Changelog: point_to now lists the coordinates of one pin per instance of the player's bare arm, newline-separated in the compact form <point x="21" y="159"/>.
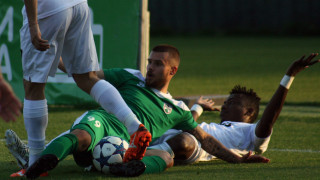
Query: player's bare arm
<point x="214" y="147"/>
<point x="273" y="109"/>
<point x="205" y="104"/>
<point x="35" y="34"/>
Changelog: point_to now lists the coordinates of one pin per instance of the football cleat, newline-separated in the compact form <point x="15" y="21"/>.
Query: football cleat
<point x="139" y="141"/>
<point x="45" y="163"/>
<point x="19" y="173"/>
<point x="129" y="169"/>
<point x="23" y="171"/>
<point x="17" y="148"/>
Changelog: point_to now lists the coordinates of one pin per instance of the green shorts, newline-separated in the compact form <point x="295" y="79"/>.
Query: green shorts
<point x="99" y="124"/>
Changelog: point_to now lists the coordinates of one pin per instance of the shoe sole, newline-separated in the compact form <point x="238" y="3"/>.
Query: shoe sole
<point x="11" y="144"/>
<point x="139" y="151"/>
<point x="43" y="164"/>
<point x="130" y="169"/>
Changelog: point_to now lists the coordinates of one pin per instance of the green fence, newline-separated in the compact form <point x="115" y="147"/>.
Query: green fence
<point x="116" y="28"/>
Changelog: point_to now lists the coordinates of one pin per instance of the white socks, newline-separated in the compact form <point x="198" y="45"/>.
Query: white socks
<point x="110" y="99"/>
<point x="35" y="120"/>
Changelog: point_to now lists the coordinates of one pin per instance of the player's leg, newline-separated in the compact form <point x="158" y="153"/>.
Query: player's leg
<point x="37" y="66"/>
<point x="35" y="112"/>
<point x="82" y="64"/>
<point x="155" y="161"/>
<point x="182" y="146"/>
<point x="19" y="150"/>
<point x="109" y="98"/>
<point x="186" y="148"/>
<point x="86" y="132"/>
<point x="78" y="140"/>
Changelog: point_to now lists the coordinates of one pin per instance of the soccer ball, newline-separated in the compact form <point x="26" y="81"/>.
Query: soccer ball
<point x="109" y="150"/>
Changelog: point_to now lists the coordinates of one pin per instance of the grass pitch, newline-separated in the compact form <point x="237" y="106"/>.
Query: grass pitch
<point x="214" y="66"/>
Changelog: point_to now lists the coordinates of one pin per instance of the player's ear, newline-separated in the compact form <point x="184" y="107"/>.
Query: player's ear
<point x="249" y="112"/>
<point x="248" y="115"/>
<point x="174" y="70"/>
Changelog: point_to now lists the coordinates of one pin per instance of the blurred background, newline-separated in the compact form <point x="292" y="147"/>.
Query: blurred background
<point x="247" y="42"/>
<point x="234" y="17"/>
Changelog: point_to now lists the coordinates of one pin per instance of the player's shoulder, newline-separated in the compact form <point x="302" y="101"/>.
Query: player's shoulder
<point x="135" y="73"/>
<point x="123" y="73"/>
<point x="168" y="96"/>
<point x="180" y="104"/>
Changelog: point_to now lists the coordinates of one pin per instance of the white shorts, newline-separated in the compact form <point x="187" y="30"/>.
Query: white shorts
<point x="70" y="36"/>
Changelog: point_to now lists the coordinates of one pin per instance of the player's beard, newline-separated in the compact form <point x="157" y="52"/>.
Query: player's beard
<point x="155" y="83"/>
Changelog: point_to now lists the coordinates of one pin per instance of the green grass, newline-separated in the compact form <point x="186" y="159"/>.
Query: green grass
<point x="297" y="129"/>
<point x="212" y="66"/>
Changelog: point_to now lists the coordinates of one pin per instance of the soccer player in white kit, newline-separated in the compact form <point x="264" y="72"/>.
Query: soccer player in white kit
<point x="237" y="130"/>
<point x="58" y="28"/>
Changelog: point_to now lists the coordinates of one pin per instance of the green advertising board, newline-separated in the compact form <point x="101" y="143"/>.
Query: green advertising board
<point x="117" y="32"/>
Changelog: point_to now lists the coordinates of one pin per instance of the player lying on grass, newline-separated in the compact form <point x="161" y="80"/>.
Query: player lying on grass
<point x="237" y="130"/>
<point x="150" y="100"/>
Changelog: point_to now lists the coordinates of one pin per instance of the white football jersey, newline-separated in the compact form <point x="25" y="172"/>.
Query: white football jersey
<point x="239" y="137"/>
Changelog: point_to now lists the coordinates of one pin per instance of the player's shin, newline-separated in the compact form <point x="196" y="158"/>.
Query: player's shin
<point x="62" y="146"/>
<point x="110" y="99"/>
<point x="36" y="119"/>
<point x="154" y="164"/>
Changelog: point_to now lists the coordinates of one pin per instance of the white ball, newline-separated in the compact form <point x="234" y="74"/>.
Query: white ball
<point x="109" y="150"/>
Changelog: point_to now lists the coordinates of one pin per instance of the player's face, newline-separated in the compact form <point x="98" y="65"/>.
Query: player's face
<point x="158" y="70"/>
<point x="233" y="109"/>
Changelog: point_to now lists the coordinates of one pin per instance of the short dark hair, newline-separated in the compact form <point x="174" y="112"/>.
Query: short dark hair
<point x="173" y="53"/>
<point x="251" y="97"/>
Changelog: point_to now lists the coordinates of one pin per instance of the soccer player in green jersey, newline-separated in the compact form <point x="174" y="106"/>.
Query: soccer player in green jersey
<point x="150" y="100"/>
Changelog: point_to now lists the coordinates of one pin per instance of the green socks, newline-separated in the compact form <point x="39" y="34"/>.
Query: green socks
<point x="62" y="146"/>
<point x="154" y="164"/>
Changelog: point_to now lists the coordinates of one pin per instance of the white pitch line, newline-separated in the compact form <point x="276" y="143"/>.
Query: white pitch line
<point x="276" y="150"/>
<point x="24" y="141"/>
<point x="295" y="150"/>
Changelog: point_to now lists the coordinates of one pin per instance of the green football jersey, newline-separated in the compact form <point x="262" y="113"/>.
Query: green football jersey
<point x="158" y="111"/>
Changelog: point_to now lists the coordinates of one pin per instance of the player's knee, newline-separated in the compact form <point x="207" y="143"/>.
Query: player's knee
<point x="86" y="81"/>
<point x="84" y="139"/>
<point x="164" y="155"/>
<point x="183" y="145"/>
<point x="34" y="91"/>
<point x="167" y="158"/>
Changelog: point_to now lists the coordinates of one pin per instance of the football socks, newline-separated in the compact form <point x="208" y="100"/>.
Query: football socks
<point x="62" y="146"/>
<point x="154" y="164"/>
<point x="110" y="99"/>
<point x="36" y="120"/>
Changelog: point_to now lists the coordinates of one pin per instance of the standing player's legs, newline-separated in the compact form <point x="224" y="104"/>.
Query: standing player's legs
<point x="35" y="112"/>
<point x="37" y="66"/>
<point x="80" y="59"/>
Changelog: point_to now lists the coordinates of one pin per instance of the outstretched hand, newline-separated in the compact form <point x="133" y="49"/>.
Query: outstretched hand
<point x="250" y="158"/>
<point x="207" y="104"/>
<point x="302" y="64"/>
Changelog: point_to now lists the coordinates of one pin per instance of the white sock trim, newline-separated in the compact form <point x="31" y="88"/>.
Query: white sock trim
<point x="33" y="109"/>
<point x="98" y="89"/>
